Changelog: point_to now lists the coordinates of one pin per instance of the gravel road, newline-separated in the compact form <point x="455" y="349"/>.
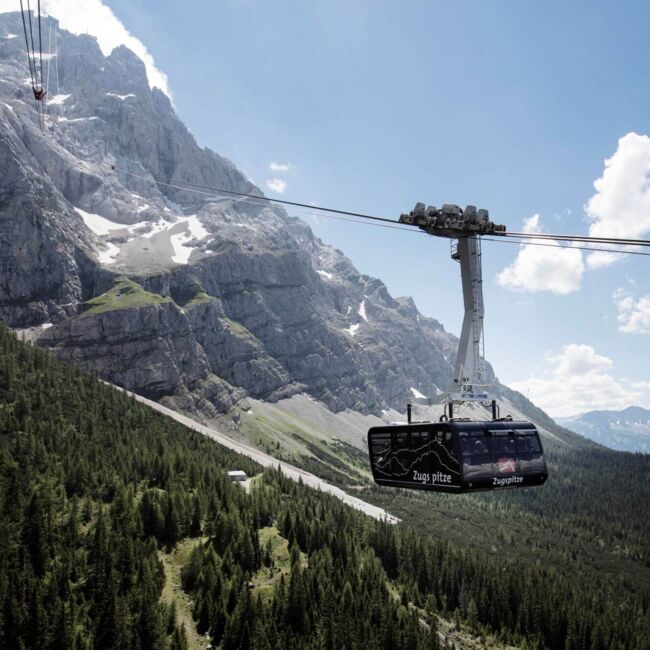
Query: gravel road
<point x="269" y="461"/>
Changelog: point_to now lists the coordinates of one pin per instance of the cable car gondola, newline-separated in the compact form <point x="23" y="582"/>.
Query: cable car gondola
<point x="460" y="455"/>
<point x="457" y="456"/>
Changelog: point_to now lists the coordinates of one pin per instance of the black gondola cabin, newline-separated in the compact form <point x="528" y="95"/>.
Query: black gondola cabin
<point x="457" y="456"/>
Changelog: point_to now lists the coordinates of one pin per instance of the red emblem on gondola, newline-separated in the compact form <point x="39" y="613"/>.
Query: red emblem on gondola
<point x="506" y="465"/>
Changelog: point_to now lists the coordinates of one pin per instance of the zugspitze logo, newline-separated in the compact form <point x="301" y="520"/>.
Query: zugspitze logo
<point x="506" y="465"/>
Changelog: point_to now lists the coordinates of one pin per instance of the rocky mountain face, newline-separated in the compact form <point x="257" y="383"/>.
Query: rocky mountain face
<point x="193" y="298"/>
<point x="626" y="430"/>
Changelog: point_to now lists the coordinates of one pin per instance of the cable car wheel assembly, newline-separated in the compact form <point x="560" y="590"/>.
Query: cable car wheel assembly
<point x="457" y="454"/>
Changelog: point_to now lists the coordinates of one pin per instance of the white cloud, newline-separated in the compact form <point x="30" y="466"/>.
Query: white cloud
<point x="277" y="185"/>
<point x="621" y="205"/>
<point x="531" y="225"/>
<point x="578" y="379"/>
<point x="599" y="259"/>
<point x="543" y="268"/>
<point x="633" y="315"/>
<point x="95" y="18"/>
<point x="280" y="167"/>
<point x="578" y="359"/>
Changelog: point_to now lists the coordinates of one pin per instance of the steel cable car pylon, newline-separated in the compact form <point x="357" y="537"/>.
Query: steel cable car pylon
<point x="469" y="381"/>
<point x="464" y="228"/>
<point x="459" y="455"/>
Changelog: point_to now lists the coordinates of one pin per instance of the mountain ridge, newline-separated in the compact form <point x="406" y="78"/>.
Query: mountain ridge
<point x="623" y="430"/>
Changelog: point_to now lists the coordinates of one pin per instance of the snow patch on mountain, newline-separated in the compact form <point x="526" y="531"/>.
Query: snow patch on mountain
<point x="197" y="230"/>
<point x="156" y="227"/>
<point x="121" y="97"/>
<point x="77" y="119"/>
<point x="362" y="310"/>
<point x="107" y="256"/>
<point x="182" y="251"/>
<point x="98" y="224"/>
<point x="57" y="100"/>
<point x="352" y="330"/>
<point x="194" y="232"/>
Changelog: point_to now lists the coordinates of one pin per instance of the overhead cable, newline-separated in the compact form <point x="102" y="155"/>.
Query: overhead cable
<point x="580" y="248"/>
<point x="256" y="196"/>
<point x="29" y="58"/>
<point x="40" y="42"/>
<point x="510" y="237"/>
<point x="585" y="238"/>
<point x="35" y="69"/>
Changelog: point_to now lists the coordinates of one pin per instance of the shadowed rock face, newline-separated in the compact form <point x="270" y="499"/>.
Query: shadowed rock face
<point x="256" y="304"/>
<point x="125" y="347"/>
<point x="43" y="251"/>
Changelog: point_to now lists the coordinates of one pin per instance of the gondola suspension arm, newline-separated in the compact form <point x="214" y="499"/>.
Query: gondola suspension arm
<point x="463" y="227"/>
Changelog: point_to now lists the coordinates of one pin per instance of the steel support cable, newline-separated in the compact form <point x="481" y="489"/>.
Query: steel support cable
<point x="303" y="212"/>
<point x="580" y="248"/>
<point x="255" y="196"/>
<point x="40" y="42"/>
<point x="31" y="35"/>
<point x="365" y="223"/>
<point x="580" y="238"/>
<point x="252" y="199"/>
<point x="49" y="63"/>
<point x="40" y="86"/>
<point x="255" y="199"/>
<point x="56" y="56"/>
<point x="29" y="58"/>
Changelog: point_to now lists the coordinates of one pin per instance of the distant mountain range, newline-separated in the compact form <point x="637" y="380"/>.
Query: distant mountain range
<point x="626" y="430"/>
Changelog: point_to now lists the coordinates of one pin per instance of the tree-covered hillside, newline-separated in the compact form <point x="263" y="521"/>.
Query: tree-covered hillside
<point x="97" y="493"/>
<point x="591" y="520"/>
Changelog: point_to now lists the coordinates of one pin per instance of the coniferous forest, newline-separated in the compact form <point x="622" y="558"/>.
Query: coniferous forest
<point x="97" y="491"/>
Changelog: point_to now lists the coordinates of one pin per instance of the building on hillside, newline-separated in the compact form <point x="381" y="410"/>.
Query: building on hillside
<point x="237" y="475"/>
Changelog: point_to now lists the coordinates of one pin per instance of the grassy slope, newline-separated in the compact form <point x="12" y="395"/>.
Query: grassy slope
<point x="199" y="298"/>
<point x="173" y="563"/>
<point x="266" y="578"/>
<point x="239" y="330"/>
<point x="125" y="294"/>
<point x="302" y="443"/>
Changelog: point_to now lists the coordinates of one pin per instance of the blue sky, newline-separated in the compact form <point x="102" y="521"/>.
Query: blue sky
<point x="512" y="106"/>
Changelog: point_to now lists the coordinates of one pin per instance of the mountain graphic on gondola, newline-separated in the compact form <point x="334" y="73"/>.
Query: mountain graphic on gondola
<point x="403" y="462"/>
